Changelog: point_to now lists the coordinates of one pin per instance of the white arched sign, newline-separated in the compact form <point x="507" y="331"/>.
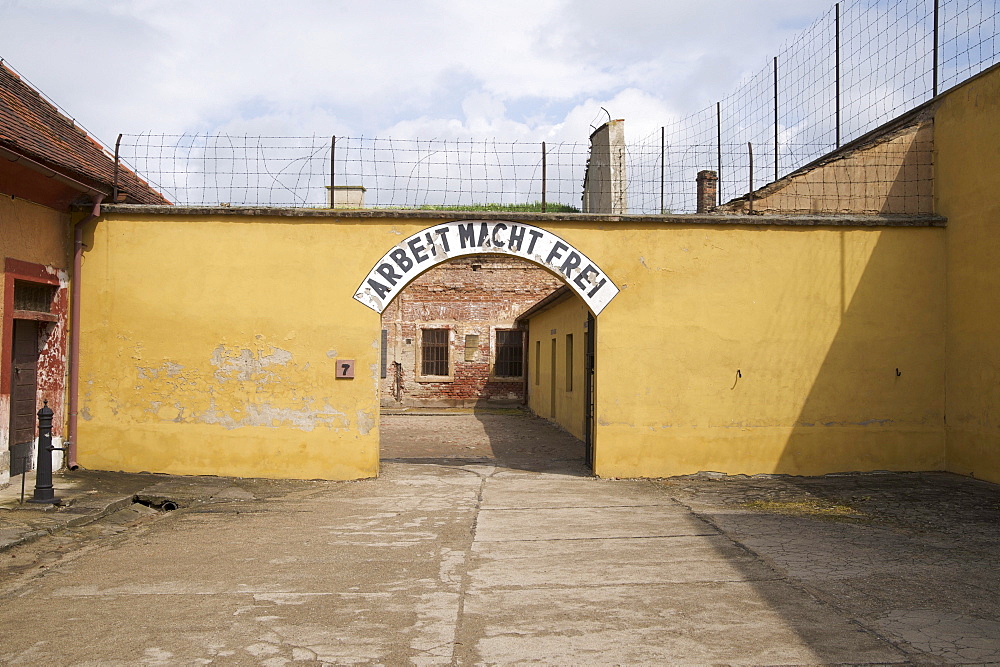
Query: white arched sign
<point x="439" y="243"/>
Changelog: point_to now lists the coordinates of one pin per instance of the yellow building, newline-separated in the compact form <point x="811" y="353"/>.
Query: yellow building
<point x="854" y="337"/>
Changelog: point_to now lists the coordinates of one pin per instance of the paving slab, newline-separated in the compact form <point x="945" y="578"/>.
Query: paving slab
<point x="649" y="560"/>
<point x="508" y="490"/>
<point x="608" y="521"/>
<point x="759" y="623"/>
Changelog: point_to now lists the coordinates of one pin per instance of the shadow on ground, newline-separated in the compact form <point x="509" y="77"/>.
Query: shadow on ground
<point x="909" y="556"/>
<point x="510" y="437"/>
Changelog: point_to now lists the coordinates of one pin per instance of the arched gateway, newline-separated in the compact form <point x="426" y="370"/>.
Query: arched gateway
<point x="433" y="245"/>
<point x="746" y="344"/>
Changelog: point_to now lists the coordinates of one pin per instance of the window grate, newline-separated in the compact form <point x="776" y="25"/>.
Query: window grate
<point x="510" y="354"/>
<point x="434" y="352"/>
<point x="34" y="297"/>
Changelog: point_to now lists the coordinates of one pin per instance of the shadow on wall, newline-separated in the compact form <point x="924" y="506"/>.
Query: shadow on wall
<point x="877" y="400"/>
<point x="911" y="175"/>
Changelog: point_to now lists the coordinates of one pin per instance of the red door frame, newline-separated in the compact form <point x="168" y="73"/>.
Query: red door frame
<point x="52" y="360"/>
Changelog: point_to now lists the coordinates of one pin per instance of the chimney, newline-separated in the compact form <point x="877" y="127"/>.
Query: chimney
<point x="708" y="182"/>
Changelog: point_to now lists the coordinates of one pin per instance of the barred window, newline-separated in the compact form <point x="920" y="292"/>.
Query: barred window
<point x="434" y="351"/>
<point x="35" y="297"/>
<point x="510" y="355"/>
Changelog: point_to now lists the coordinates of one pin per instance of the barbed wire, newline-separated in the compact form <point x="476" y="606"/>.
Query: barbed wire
<point x="195" y="169"/>
<point x="860" y="65"/>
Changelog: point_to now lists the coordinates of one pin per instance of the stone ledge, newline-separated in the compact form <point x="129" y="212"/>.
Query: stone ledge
<point x="710" y="219"/>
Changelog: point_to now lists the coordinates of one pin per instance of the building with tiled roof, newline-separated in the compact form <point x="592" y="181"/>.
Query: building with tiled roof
<point x="52" y="174"/>
<point x="35" y="137"/>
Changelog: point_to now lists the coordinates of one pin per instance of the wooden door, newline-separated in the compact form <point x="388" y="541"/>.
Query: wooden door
<point x="23" y="390"/>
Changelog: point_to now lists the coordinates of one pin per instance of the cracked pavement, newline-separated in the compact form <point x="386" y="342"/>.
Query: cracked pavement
<point x="500" y="560"/>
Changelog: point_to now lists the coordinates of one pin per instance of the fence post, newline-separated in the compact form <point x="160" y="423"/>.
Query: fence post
<point x="776" y="118"/>
<point x="718" y="144"/>
<point x="937" y="23"/>
<point x="333" y="152"/>
<point x="663" y="157"/>
<point x="836" y="76"/>
<point x="543" y="177"/>
<point x="114" y="184"/>
<point x="750" y="153"/>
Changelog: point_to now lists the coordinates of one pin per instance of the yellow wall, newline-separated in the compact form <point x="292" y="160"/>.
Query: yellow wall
<point x="817" y="321"/>
<point x="209" y="346"/>
<point x="568" y="317"/>
<point x="33" y="233"/>
<point x="967" y="164"/>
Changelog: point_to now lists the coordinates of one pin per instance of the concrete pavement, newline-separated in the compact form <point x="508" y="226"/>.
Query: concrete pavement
<point x="445" y="561"/>
<point x="430" y="564"/>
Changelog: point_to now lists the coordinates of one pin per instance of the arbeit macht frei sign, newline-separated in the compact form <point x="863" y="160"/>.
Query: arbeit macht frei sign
<point x="439" y="243"/>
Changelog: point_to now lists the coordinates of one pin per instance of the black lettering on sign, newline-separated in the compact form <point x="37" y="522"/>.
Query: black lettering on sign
<point x="556" y="252"/>
<point x="583" y="277"/>
<point x="417" y="249"/>
<point x="346" y="368"/>
<point x="442" y="233"/>
<point x="535" y="235"/>
<point x="466" y="236"/>
<point x="572" y="262"/>
<point x="515" y="238"/>
<point x="598" y="286"/>
<point x="497" y="243"/>
<point x="431" y="245"/>
<point x="483" y="232"/>
<point x="402" y="261"/>
<point x="389" y="273"/>
<point x="379" y="288"/>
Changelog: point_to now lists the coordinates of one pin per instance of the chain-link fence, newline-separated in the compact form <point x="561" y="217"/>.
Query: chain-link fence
<point x="858" y="66"/>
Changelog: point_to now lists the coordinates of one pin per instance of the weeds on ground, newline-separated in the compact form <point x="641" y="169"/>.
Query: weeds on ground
<point x="810" y="507"/>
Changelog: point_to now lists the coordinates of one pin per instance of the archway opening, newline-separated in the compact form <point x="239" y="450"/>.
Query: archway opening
<point x="438" y="340"/>
<point x="466" y="377"/>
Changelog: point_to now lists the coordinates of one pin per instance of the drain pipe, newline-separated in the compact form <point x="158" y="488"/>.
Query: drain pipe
<point x="74" y="341"/>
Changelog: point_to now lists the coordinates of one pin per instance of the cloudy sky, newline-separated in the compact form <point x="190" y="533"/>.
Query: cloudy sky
<point x="513" y="70"/>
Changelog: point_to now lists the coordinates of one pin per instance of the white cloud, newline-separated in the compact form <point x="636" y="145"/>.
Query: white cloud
<point x="522" y="71"/>
<point x="314" y="66"/>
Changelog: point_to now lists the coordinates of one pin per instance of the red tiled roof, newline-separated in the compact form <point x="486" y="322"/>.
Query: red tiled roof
<point x="32" y="127"/>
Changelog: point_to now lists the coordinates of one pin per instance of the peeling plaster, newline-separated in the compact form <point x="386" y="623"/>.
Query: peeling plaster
<point x="268" y="415"/>
<point x="52" y="360"/>
<point x="366" y="421"/>
<point x="246" y="365"/>
<point x="258" y="386"/>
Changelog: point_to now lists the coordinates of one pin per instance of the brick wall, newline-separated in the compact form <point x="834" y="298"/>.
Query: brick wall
<point x="469" y="296"/>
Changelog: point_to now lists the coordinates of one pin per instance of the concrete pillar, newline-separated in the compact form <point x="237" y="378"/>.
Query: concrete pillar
<point x="708" y="182"/>
<point x="345" y="196"/>
<point x="604" y="189"/>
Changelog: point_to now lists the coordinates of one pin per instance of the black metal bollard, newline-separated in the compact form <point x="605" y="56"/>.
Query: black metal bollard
<point x="43" y="470"/>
